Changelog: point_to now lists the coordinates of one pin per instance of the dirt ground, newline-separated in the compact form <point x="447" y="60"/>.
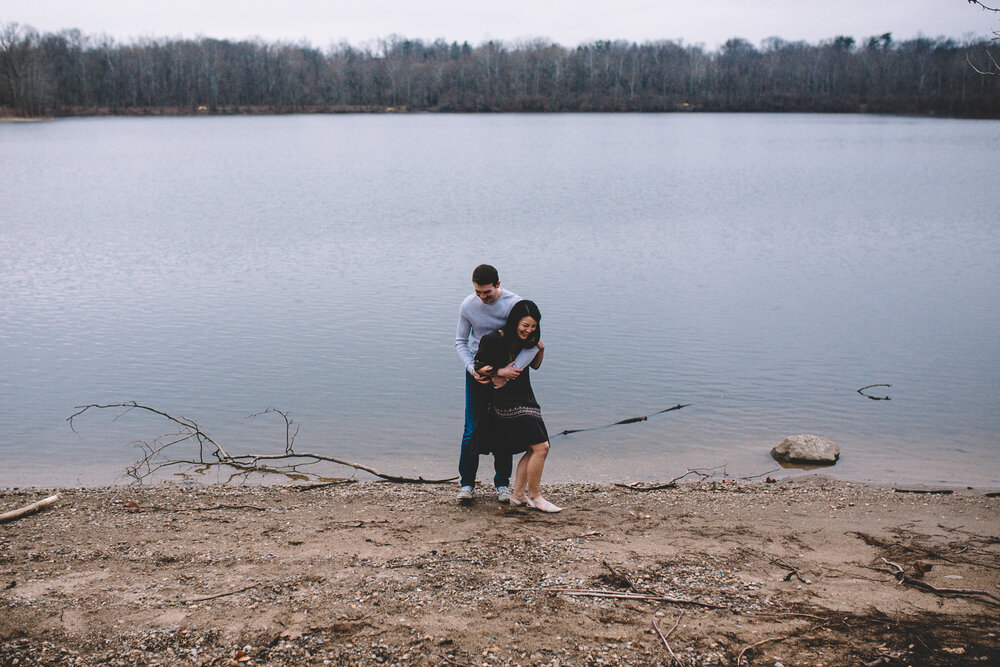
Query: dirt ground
<point x="799" y="572"/>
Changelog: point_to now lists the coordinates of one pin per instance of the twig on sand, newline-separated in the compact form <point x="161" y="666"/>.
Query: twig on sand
<point x="620" y="576"/>
<point x="221" y="595"/>
<point x="673" y="656"/>
<point x="13" y="515"/>
<point x="739" y="658"/>
<point x="793" y="571"/>
<point x="617" y="595"/>
<point x="704" y="473"/>
<point x="157" y="508"/>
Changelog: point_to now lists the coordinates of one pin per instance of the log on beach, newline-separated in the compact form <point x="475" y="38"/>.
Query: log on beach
<point x="13" y="515"/>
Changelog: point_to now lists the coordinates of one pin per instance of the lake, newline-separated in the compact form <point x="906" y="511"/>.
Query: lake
<point x="761" y="268"/>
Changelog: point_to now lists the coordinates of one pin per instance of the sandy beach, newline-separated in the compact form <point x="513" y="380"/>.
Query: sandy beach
<point x="805" y="571"/>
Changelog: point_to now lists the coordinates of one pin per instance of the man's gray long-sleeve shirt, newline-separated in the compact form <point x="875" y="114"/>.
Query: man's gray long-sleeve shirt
<point x="476" y="319"/>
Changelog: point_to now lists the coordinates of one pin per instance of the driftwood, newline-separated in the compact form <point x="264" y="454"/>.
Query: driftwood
<point x="210" y="453"/>
<point x="902" y="578"/>
<point x="703" y="474"/>
<point x="14" y="515"/>
<point x="943" y="492"/>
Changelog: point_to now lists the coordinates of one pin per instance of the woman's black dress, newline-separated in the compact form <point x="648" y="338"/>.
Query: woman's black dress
<point x="511" y="421"/>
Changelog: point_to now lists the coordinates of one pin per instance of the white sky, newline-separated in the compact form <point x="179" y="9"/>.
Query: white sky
<point x="567" y="22"/>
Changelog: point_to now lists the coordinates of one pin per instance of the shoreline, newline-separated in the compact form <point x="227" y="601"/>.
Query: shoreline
<point x="801" y="571"/>
<point x="784" y="474"/>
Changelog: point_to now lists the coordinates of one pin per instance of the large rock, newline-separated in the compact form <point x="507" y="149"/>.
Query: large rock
<point x="811" y="449"/>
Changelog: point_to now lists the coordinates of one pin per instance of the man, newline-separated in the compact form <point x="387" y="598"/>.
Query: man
<point x="482" y="312"/>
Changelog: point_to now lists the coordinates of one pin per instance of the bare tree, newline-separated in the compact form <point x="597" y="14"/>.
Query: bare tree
<point x="995" y="70"/>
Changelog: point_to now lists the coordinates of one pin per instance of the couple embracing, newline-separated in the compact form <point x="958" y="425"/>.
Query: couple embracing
<point x="499" y="341"/>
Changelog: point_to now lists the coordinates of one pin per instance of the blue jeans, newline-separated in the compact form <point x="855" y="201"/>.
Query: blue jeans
<point x="476" y="396"/>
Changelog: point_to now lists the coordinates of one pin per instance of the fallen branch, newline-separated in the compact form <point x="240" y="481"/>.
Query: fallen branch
<point x="221" y="595"/>
<point x="704" y="473"/>
<point x="323" y="485"/>
<point x="673" y="656"/>
<point x="793" y="571"/>
<point x="902" y="578"/>
<point x="943" y="492"/>
<point x="617" y="595"/>
<point x="621" y="577"/>
<point x="211" y="454"/>
<point x="14" y="515"/>
<point x="739" y="658"/>
<point x="157" y="508"/>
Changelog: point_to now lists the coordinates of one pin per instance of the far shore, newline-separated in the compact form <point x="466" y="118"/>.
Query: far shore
<point x="243" y="110"/>
<point x="16" y="119"/>
<point x="806" y="570"/>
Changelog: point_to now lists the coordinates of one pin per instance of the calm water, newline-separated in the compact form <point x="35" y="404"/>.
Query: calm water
<point x="759" y="267"/>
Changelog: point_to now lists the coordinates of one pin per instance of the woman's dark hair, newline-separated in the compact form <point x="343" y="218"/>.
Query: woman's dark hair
<point x="511" y="340"/>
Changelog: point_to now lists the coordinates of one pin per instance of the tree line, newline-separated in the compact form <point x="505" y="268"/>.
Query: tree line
<point x="70" y="73"/>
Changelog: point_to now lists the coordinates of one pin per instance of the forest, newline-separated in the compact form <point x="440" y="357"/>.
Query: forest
<point x="69" y="73"/>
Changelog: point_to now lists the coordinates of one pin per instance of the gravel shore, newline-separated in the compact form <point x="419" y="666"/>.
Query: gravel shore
<point x="806" y="571"/>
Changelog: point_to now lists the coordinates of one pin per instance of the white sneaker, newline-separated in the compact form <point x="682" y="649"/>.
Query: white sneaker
<point x="465" y="494"/>
<point x="503" y="494"/>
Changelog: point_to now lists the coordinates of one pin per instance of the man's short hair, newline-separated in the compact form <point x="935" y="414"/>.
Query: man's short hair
<point x="484" y="274"/>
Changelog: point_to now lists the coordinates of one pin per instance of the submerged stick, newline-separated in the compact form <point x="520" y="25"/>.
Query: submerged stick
<point x="874" y="398"/>
<point x="630" y="420"/>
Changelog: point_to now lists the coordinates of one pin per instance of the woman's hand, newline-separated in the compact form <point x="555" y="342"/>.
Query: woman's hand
<point x="508" y="372"/>
<point x="498" y="382"/>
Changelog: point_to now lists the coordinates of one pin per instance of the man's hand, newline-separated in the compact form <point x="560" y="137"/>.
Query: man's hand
<point x="482" y="379"/>
<point x="508" y="372"/>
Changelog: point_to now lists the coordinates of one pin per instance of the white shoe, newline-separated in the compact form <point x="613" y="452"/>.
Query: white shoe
<point x="466" y="494"/>
<point x="543" y="506"/>
<point x="503" y="494"/>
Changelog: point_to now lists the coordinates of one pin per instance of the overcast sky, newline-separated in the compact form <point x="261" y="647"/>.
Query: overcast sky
<point x="567" y="22"/>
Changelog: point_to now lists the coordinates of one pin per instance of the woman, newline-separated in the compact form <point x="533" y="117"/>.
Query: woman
<point x="513" y="420"/>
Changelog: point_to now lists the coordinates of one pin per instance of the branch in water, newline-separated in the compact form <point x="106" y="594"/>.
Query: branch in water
<point x="155" y="457"/>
